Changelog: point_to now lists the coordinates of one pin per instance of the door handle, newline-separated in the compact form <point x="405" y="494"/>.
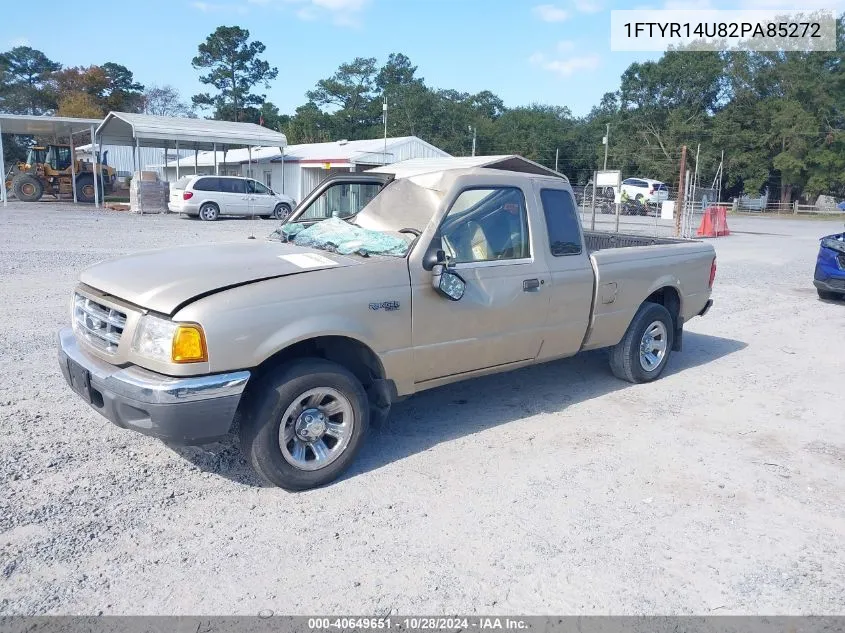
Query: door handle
<point x="530" y="284"/>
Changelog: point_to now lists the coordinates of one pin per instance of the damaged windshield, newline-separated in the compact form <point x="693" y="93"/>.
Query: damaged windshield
<point x="387" y="225"/>
<point x="340" y="236"/>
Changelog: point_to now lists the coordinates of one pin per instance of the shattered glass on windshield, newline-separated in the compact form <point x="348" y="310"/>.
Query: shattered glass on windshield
<point x="338" y="236"/>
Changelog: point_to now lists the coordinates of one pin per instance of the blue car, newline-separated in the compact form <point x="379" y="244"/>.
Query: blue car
<point x="829" y="278"/>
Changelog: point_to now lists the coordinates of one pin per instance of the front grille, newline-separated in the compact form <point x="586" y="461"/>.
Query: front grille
<point x="100" y="325"/>
<point x="841" y="259"/>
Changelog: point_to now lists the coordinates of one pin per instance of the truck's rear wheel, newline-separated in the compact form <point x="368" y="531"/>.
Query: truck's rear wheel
<point x="643" y="352"/>
<point x="305" y="425"/>
<point x="27" y="188"/>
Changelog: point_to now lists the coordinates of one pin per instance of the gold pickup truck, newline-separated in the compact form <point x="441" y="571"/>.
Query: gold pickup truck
<point x="379" y="285"/>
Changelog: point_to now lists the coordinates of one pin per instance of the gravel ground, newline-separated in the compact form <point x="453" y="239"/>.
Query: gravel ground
<point x="556" y="489"/>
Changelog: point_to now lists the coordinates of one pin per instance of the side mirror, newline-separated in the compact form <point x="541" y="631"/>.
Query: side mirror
<point x="447" y="282"/>
<point x="434" y="255"/>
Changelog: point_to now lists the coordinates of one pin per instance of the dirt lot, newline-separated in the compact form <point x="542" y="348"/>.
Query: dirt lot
<point x="559" y="489"/>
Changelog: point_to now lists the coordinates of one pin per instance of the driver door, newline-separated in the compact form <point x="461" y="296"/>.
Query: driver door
<point x="488" y="240"/>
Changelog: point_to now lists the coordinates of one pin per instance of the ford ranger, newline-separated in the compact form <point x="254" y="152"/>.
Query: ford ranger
<point x="380" y="284"/>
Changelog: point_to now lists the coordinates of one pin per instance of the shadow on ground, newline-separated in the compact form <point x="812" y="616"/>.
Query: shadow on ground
<point x="446" y="413"/>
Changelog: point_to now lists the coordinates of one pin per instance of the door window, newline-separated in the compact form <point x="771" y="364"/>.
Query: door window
<point x="253" y="186"/>
<point x="561" y="222"/>
<point x="487" y="224"/>
<point x="341" y="200"/>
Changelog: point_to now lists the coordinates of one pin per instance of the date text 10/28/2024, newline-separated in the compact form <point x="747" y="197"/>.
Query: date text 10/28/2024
<point x="418" y="624"/>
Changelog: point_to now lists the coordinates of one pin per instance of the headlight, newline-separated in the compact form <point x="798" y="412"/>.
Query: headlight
<point x="169" y="342"/>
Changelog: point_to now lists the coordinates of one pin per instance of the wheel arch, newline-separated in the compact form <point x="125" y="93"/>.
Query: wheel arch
<point x="348" y="352"/>
<point x="670" y="298"/>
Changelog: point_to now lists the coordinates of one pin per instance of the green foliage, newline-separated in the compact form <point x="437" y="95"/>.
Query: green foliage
<point x="234" y="70"/>
<point x="25" y="81"/>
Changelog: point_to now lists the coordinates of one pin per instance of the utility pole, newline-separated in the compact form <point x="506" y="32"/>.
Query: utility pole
<point x="473" y="130"/>
<point x="557" y="155"/>
<point x="681" y="198"/>
<point x="384" y="117"/>
<point x="606" y="145"/>
<point x="721" y="171"/>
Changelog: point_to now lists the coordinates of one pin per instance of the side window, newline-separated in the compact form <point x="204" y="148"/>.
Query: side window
<point x="206" y="184"/>
<point x="561" y="222"/>
<point x="253" y="186"/>
<point x="487" y="224"/>
<point x="341" y="200"/>
<point x="232" y="185"/>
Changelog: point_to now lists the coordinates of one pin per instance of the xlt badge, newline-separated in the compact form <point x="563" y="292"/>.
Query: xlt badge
<point x="387" y="306"/>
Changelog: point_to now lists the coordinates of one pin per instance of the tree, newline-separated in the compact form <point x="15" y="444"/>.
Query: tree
<point x="108" y="87"/>
<point x="309" y="125"/>
<point x="25" y="81"/>
<point x="165" y="101"/>
<point x="270" y="117"/>
<point x="123" y="93"/>
<point x="79" y="105"/>
<point x="397" y="71"/>
<point x="349" y="92"/>
<point x="235" y="69"/>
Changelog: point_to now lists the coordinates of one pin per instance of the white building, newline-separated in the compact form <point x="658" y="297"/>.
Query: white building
<point x="122" y="157"/>
<point x="302" y="167"/>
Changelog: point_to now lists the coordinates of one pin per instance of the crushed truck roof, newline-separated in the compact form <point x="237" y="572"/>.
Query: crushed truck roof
<point x="506" y="162"/>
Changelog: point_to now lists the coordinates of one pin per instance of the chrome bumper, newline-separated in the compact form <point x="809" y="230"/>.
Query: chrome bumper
<point x="192" y="410"/>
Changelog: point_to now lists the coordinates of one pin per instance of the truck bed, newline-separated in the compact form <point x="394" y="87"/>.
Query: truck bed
<point x="601" y="240"/>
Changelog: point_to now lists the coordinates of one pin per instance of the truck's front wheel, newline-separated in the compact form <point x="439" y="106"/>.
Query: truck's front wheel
<point x="642" y="353"/>
<point x="306" y="424"/>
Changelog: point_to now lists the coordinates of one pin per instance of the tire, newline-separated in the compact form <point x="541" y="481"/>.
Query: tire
<point x="281" y="211"/>
<point x="27" y="188"/>
<point x="279" y="399"/>
<point x="627" y="361"/>
<point x="85" y="188"/>
<point x="209" y="212"/>
<point x="829" y="296"/>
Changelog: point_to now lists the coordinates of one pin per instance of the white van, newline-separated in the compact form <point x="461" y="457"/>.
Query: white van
<point x="209" y="197"/>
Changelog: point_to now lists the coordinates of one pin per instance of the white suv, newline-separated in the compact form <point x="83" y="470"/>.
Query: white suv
<point x="645" y="189"/>
<point x="209" y="197"/>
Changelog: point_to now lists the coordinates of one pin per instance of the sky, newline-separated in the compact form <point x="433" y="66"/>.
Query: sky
<point x="542" y="51"/>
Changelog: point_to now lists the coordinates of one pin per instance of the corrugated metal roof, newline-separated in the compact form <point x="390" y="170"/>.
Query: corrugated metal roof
<point x="123" y="128"/>
<point x="370" y="151"/>
<point x="45" y="125"/>
<point x="508" y="162"/>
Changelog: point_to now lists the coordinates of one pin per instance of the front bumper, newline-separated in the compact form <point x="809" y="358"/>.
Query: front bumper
<point x="830" y="285"/>
<point x="195" y="410"/>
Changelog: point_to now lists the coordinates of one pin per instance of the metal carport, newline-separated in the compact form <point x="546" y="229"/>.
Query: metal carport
<point x="145" y="130"/>
<point x="52" y="126"/>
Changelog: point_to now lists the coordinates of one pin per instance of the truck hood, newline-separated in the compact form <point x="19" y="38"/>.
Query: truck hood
<point x="163" y="280"/>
